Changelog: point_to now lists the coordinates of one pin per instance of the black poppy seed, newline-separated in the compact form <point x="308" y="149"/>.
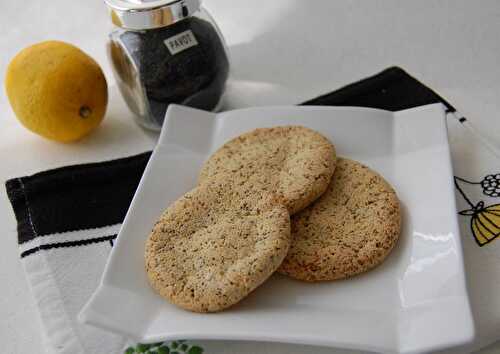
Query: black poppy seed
<point x="194" y="77"/>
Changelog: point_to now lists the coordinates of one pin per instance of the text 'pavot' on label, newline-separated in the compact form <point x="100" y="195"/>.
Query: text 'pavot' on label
<point x="180" y="42"/>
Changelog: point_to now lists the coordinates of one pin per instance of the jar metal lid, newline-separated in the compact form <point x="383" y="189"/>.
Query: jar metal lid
<point x="148" y="14"/>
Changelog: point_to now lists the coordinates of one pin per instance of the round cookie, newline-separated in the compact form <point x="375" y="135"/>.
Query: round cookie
<point x="295" y="162"/>
<point x="216" y="244"/>
<point x="350" y="229"/>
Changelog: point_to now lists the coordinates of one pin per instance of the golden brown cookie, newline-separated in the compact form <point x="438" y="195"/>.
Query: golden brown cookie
<point x="216" y="244"/>
<point x="350" y="229"/>
<point x="295" y="162"/>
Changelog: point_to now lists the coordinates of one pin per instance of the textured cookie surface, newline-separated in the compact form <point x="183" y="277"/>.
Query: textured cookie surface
<point x="293" y="161"/>
<point x="216" y="244"/>
<point x="350" y="229"/>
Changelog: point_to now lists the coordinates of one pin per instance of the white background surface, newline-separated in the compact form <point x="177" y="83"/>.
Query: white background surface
<point x="283" y="51"/>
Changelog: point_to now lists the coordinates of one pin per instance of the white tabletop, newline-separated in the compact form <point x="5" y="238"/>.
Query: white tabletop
<point x="282" y="51"/>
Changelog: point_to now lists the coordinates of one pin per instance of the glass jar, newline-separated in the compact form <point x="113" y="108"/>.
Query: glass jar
<point x="166" y="51"/>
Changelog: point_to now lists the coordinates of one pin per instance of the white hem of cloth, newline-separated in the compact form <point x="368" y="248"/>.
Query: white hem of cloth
<point x="56" y="324"/>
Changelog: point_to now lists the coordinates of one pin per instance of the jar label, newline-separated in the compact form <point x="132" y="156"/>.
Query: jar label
<point x="180" y="42"/>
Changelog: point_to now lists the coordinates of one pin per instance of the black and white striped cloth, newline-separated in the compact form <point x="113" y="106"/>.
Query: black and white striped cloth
<point x="69" y="217"/>
<point x="67" y="221"/>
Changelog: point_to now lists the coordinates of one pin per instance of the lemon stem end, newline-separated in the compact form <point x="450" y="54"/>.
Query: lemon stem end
<point x="85" y="112"/>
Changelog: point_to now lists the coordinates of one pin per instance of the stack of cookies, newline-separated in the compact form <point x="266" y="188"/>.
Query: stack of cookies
<point x="274" y="199"/>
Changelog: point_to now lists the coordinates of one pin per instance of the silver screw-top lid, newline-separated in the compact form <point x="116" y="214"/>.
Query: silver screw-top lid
<point x="148" y="14"/>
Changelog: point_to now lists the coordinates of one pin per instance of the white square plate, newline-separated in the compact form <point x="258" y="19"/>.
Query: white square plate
<point x="415" y="301"/>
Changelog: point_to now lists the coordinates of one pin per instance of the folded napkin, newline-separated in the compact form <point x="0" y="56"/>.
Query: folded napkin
<point x="69" y="217"/>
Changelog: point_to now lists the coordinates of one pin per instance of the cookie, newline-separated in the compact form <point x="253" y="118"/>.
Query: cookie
<point x="349" y="230"/>
<point x="216" y="244"/>
<point x="295" y="162"/>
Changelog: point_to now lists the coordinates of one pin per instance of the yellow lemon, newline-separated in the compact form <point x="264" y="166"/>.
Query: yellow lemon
<point x="56" y="90"/>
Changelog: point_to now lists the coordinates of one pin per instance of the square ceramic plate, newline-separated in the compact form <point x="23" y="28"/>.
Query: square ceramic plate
<point x="415" y="301"/>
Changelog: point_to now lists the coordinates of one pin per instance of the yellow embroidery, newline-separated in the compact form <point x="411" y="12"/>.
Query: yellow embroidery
<point x="485" y="221"/>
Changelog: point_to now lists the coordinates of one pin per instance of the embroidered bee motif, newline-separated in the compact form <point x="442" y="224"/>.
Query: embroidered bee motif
<point x="485" y="220"/>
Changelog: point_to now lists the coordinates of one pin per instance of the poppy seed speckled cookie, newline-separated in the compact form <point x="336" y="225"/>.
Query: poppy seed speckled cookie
<point x="216" y="244"/>
<point x="350" y="229"/>
<point x="294" y="162"/>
